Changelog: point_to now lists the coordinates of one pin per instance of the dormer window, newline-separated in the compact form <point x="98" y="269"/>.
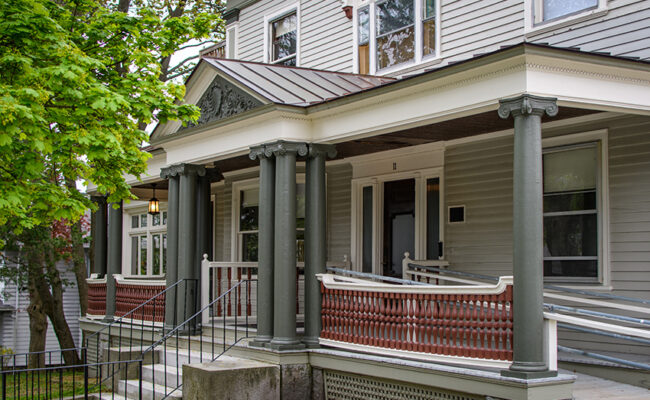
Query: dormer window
<point x="284" y="40"/>
<point x="395" y="32"/>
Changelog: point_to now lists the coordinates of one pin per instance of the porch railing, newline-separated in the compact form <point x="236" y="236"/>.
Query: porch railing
<point x="463" y="324"/>
<point x="218" y="277"/>
<point x="96" y="296"/>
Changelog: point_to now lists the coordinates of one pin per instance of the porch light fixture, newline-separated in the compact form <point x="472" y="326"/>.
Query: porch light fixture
<point x="154" y="204"/>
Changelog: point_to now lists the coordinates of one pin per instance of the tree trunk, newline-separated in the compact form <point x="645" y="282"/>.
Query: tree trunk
<point x="79" y="265"/>
<point x="37" y="329"/>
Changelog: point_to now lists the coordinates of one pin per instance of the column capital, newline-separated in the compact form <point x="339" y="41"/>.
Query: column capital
<point x="527" y="104"/>
<point x="182" y="169"/>
<point x="258" y="152"/>
<point x="317" y="149"/>
<point x="281" y="148"/>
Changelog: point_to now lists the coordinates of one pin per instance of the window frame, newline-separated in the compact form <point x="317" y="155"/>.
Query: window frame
<point x="149" y="231"/>
<point x="535" y="25"/>
<point x="600" y="138"/>
<point x="419" y="56"/>
<point x="232" y="49"/>
<point x="236" y="234"/>
<point x="268" y="29"/>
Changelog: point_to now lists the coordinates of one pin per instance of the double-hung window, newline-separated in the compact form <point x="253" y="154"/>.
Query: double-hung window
<point x="572" y="204"/>
<point x="548" y="11"/>
<point x="148" y="244"/>
<point x="247" y="200"/>
<point x="395" y="32"/>
<point x="284" y="39"/>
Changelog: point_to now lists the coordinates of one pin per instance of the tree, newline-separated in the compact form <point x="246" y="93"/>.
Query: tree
<point x="79" y="82"/>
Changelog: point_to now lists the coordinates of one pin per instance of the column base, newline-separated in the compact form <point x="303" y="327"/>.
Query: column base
<point x="528" y="370"/>
<point x="283" y="344"/>
<point x="260" y="341"/>
<point x="311" y="342"/>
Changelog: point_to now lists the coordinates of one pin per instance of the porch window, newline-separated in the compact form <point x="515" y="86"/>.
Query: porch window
<point x="571" y="212"/>
<point x="284" y="38"/>
<point x="148" y="241"/>
<point x="248" y="224"/>
<point x="394" y="32"/>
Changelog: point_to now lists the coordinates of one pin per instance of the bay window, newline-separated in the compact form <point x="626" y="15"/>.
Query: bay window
<point x="395" y="32"/>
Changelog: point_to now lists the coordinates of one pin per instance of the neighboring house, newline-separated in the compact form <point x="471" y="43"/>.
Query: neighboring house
<point x="420" y="162"/>
<point x="14" y="319"/>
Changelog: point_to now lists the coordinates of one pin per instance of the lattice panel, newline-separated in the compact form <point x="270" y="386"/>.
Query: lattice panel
<point x="342" y="386"/>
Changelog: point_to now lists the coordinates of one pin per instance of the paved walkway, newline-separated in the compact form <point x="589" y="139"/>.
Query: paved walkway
<point x="589" y="387"/>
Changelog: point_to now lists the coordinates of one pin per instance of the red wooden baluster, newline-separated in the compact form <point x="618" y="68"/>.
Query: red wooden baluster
<point x="324" y="312"/>
<point x="380" y="317"/>
<point x="229" y="295"/>
<point x="372" y="317"/>
<point x="239" y="292"/>
<point x="249" y="276"/>
<point x="391" y="320"/>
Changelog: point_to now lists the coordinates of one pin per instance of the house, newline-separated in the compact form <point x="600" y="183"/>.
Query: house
<point x="495" y="138"/>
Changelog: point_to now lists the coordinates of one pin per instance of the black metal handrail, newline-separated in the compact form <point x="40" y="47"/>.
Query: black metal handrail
<point x="192" y="326"/>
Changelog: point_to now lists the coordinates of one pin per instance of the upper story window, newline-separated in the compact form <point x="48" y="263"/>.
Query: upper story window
<point x="394" y="32"/>
<point x="548" y="10"/>
<point x="284" y="39"/>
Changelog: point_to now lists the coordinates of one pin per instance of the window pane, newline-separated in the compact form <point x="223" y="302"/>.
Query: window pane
<point x="249" y="210"/>
<point x="367" y="230"/>
<point x="395" y="48"/>
<point x="249" y="247"/>
<point x="433" y="218"/>
<point x="134" y="221"/>
<point x="570" y="170"/>
<point x="164" y="218"/>
<point x="571" y="268"/>
<point x="429" y="37"/>
<point x="571" y="235"/>
<point x="143" y="255"/>
<point x="572" y="201"/>
<point x="393" y="15"/>
<point x="284" y="37"/>
<point x="156" y="254"/>
<point x="364" y="25"/>
<point x="559" y="8"/>
<point x="134" y="254"/>
<point x="155" y="220"/>
<point x="143" y="220"/>
<point x="164" y="253"/>
<point x="429" y="9"/>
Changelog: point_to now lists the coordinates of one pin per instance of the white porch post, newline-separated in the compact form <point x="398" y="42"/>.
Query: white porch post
<point x="528" y="235"/>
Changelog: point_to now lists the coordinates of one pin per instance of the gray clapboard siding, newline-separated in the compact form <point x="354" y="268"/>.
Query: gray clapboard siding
<point x="338" y="212"/>
<point x="622" y="31"/>
<point x="15" y="326"/>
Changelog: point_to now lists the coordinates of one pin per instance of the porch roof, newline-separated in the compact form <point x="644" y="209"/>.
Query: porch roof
<point x="294" y="86"/>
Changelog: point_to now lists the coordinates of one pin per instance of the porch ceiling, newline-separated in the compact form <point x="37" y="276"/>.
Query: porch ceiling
<point x="472" y="125"/>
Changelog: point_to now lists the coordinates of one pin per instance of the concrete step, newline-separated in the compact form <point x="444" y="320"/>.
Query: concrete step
<point x="130" y="389"/>
<point x="107" y="396"/>
<point x="162" y="375"/>
<point x="184" y="356"/>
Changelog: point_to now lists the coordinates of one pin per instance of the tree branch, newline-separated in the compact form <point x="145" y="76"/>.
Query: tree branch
<point x="179" y="65"/>
<point x="196" y="45"/>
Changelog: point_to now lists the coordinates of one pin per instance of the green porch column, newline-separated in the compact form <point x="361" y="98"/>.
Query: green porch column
<point x="171" y="272"/>
<point x="265" y="265"/>
<point x="187" y="294"/>
<point x="114" y="257"/>
<point x="284" y="305"/>
<point x="203" y="223"/>
<point x="99" y="231"/>
<point x="315" y="238"/>
<point x="528" y="234"/>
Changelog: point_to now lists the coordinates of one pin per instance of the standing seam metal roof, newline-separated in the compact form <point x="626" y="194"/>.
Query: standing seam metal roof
<point x="295" y="86"/>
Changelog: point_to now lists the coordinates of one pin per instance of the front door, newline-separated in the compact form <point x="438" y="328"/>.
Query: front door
<point x="399" y="225"/>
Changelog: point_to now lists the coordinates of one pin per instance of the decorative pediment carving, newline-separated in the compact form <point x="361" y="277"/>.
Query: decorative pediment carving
<point x="222" y="100"/>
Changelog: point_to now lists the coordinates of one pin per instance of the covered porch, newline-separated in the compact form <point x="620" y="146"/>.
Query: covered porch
<point x="379" y="166"/>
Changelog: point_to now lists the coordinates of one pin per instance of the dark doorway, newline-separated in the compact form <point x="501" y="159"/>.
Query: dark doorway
<point x="399" y="224"/>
